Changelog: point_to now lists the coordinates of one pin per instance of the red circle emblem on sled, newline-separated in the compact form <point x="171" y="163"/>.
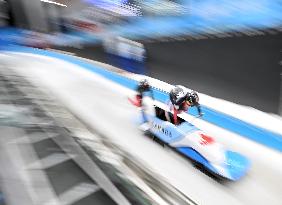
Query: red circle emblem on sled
<point x="206" y="140"/>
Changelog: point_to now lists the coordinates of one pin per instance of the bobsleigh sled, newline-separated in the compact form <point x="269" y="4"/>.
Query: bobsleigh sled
<point x="192" y="142"/>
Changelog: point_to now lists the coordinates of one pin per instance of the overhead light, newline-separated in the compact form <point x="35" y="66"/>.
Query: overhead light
<point x="53" y="2"/>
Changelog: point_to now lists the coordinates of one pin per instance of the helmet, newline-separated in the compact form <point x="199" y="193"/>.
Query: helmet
<point x="178" y="95"/>
<point x="193" y="98"/>
<point x="144" y="84"/>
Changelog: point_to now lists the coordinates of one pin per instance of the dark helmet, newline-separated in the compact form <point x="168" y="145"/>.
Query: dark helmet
<point x="193" y="98"/>
<point x="144" y="84"/>
<point x="178" y="95"/>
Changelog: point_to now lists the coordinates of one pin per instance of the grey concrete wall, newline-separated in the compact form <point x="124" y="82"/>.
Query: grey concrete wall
<point x="53" y="16"/>
<point x="29" y="14"/>
<point x="36" y="15"/>
<point x="18" y="13"/>
<point x="4" y="14"/>
<point x="244" y="70"/>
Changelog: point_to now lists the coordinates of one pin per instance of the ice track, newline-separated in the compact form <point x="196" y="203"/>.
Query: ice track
<point x="103" y="105"/>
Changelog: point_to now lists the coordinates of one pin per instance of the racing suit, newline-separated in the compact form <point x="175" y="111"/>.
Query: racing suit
<point x="175" y="110"/>
<point x="139" y="96"/>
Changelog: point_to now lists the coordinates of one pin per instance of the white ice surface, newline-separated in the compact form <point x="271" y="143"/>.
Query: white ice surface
<point x="103" y="104"/>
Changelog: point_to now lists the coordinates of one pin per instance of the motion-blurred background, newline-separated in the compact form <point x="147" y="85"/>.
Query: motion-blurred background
<point x="231" y="50"/>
